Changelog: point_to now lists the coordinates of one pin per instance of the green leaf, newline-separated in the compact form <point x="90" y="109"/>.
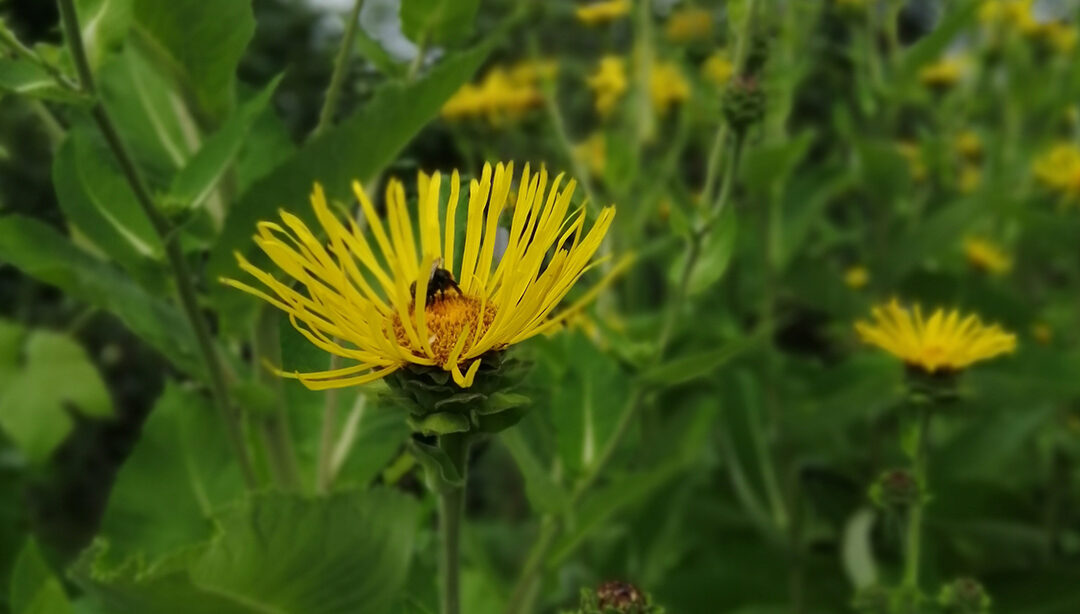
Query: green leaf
<point x="34" y="587"/>
<point x="931" y="46"/>
<point x="200" y="43"/>
<point x="33" y="408"/>
<point x="442" y="423"/>
<point x="97" y="199"/>
<point x="103" y="25"/>
<point x="768" y="167"/>
<point x="715" y="255"/>
<point x="204" y="170"/>
<point x="438" y="467"/>
<point x="699" y="364"/>
<point x="357" y="149"/>
<point x="544" y="494"/>
<point x="857" y="550"/>
<point x="373" y="50"/>
<point x="42" y="253"/>
<point x="180" y="472"/>
<point x="502" y="401"/>
<point x="24" y="78"/>
<point x="438" y="21"/>
<point x="341" y="554"/>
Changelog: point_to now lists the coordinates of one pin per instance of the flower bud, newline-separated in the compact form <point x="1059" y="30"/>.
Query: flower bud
<point x="964" y="596"/>
<point x="744" y="103"/>
<point x="615" y="597"/>
<point x="895" y="490"/>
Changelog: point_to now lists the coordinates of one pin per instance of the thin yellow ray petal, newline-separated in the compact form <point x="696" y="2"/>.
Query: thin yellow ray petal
<point x="451" y="220"/>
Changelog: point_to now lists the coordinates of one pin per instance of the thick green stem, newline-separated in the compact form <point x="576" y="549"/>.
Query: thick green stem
<point x="451" y="511"/>
<point x="341" y="65"/>
<point x="915" y="516"/>
<point x="266" y="345"/>
<point x="189" y="301"/>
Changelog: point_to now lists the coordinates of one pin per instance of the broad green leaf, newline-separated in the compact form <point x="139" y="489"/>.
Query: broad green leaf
<point x="930" y="47"/>
<point x="345" y="553"/>
<point x="103" y="25"/>
<point x="543" y="492"/>
<point x="24" y="78"/>
<point x="374" y="52"/>
<point x="200" y="43"/>
<point x="42" y="253"/>
<point x="768" y="167"/>
<point x="34" y="587"/>
<point x="204" y="170"/>
<point x="441" y="423"/>
<point x="357" y="149"/>
<point x="34" y="409"/>
<point x="438" y="21"/>
<point x="857" y="550"/>
<point x="699" y="364"/>
<point x="716" y="251"/>
<point x="11" y="345"/>
<point x="180" y="472"/>
<point x="97" y="199"/>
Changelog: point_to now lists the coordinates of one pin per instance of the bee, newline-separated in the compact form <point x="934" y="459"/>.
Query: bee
<point x="439" y="282"/>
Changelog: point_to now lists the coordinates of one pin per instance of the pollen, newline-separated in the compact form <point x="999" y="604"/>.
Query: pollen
<point x="447" y="317"/>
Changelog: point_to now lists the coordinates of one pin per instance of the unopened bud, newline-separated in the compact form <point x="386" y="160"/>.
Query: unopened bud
<point x="744" y="103"/>
<point x="616" y="597"/>
<point x="895" y="490"/>
<point x="964" y="596"/>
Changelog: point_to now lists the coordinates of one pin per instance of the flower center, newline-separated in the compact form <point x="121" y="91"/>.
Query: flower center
<point x="447" y="316"/>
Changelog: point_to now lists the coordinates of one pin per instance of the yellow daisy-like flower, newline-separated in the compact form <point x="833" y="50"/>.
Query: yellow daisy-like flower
<point x="1057" y="35"/>
<point x="502" y="94"/>
<point x="717" y="69"/>
<point x="667" y="86"/>
<point x="608" y="83"/>
<point x="986" y="256"/>
<point x="688" y="25"/>
<point x="946" y="341"/>
<point x="593" y="152"/>
<point x="1059" y="169"/>
<point x="856" y="277"/>
<point x="368" y="295"/>
<point x="968" y="145"/>
<point x="944" y="73"/>
<point x="597" y="13"/>
<point x="1014" y="13"/>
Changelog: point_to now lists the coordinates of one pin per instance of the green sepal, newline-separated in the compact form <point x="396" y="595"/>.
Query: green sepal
<point x="441" y="423"/>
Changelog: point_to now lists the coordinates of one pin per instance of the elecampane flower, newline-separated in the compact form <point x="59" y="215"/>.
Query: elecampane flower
<point x="365" y="293"/>
<point x="946" y="341"/>
<point x="596" y="13"/>
<point x="986" y="256"/>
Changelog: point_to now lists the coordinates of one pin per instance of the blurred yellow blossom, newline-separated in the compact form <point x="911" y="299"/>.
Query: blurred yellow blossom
<point x="913" y="154"/>
<point x="969" y="178"/>
<point x="1056" y="35"/>
<point x="593" y="152"/>
<point x="1042" y="333"/>
<point x="1059" y="169"/>
<point x="718" y="69"/>
<point x="595" y="13"/>
<point x="944" y="73"/>
<point x="856" y="277"/>
<point x="688" y="25"/>
<point x="608" y="83"/>
<point x="987" y="256"/>
<point x="969" y="145"/>
<point x="533" y="71"/>
<point x="502" y="94"/>
<point x="1010" y="13"/>
<point x="667" y="86"/>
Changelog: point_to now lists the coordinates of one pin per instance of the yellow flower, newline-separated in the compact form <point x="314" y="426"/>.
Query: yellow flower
<point x="359" y="300"/>
<point x="688" y="25"/>
<point x="1042" y="333"/>
<point x="608" y="83"/>
<point x="913" y="154"/>
<point x="1056" y="35"/>
<point x="1059" y="169"/>
<point x="596" y="13"/>
<point x="986" y="256"/>
<point x="856" y="277"/>
<point x="718" y="69"/>
<point x="943" y="342"/>
<point x="667" y="86"/>
<point x="1012" y="13"/>
<point x="968" y="145"/>
<point x="501" y="95"/>
<point x="593" y="152"/>
<point x="969" y="178"/>
<point x="944" y="73"/>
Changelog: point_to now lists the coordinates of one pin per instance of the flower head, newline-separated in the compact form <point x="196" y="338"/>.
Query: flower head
<point x="502" y="94"/>
<point x="608" y="83"/>
<point x="1059" y="169"/>
<point x="943" y="342"/>
<point x="667" y="86"/>
<point x="688" y="25"/>
<point x="596" y="13"/>
<point x="968" y="145"/>
<point x="986" y="256"/>
<point x="944" y="73"/>
<point x="912" y="152"/>
<point x="856" y="277"/>
<point x="593" y="152"/>
<point x="718" y="69"/>
<point x="382" y="299"/>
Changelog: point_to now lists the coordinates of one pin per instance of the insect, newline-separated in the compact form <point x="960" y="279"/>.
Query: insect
<point x="439" y="282"/>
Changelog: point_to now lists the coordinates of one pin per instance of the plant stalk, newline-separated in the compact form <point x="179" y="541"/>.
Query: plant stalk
<point x="915" y="518"/>
<point x="337" y="78"/>
<point x="451" y="511"/>
<point x="174" y="253"/>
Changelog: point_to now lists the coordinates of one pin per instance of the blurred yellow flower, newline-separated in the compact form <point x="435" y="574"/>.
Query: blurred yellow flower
<point x="1056" y="35"/>
<point x="944" y="73"/>
<point x="378" y="307"/>
<point x="1012" y="13"/>
<point x="943" y="342"/>
<point x="595" y="13"/>
<point x="1059" y="169"/>
<point x="1042" y="333"/>
<point x="718" y="69"/>
<point x="968" y="145"/>
<point x="967" y="181"/>
<point x="913" y="154"/>
<point x="856" y="277"/>
<point x="608" y="83"/>
<point x="987" y="256"/>
<point x="667" y="86"/>
<point x="502" y="94"/>
<point x="593" y="152"/>
<point x="688" y="25"/>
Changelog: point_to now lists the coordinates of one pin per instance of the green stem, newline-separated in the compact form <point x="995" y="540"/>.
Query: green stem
<point x="266" y="345"/>
<point x="337" y="78"/>
<point x="914" y="524"/>
<point x="451" y="511"/>
<point x="185" y="287"/>
<point x="323" y="471"/>
<point x="418" y="61"/>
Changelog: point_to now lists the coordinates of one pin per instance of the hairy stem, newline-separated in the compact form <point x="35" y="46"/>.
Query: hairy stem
<point x="337" y="78"/>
